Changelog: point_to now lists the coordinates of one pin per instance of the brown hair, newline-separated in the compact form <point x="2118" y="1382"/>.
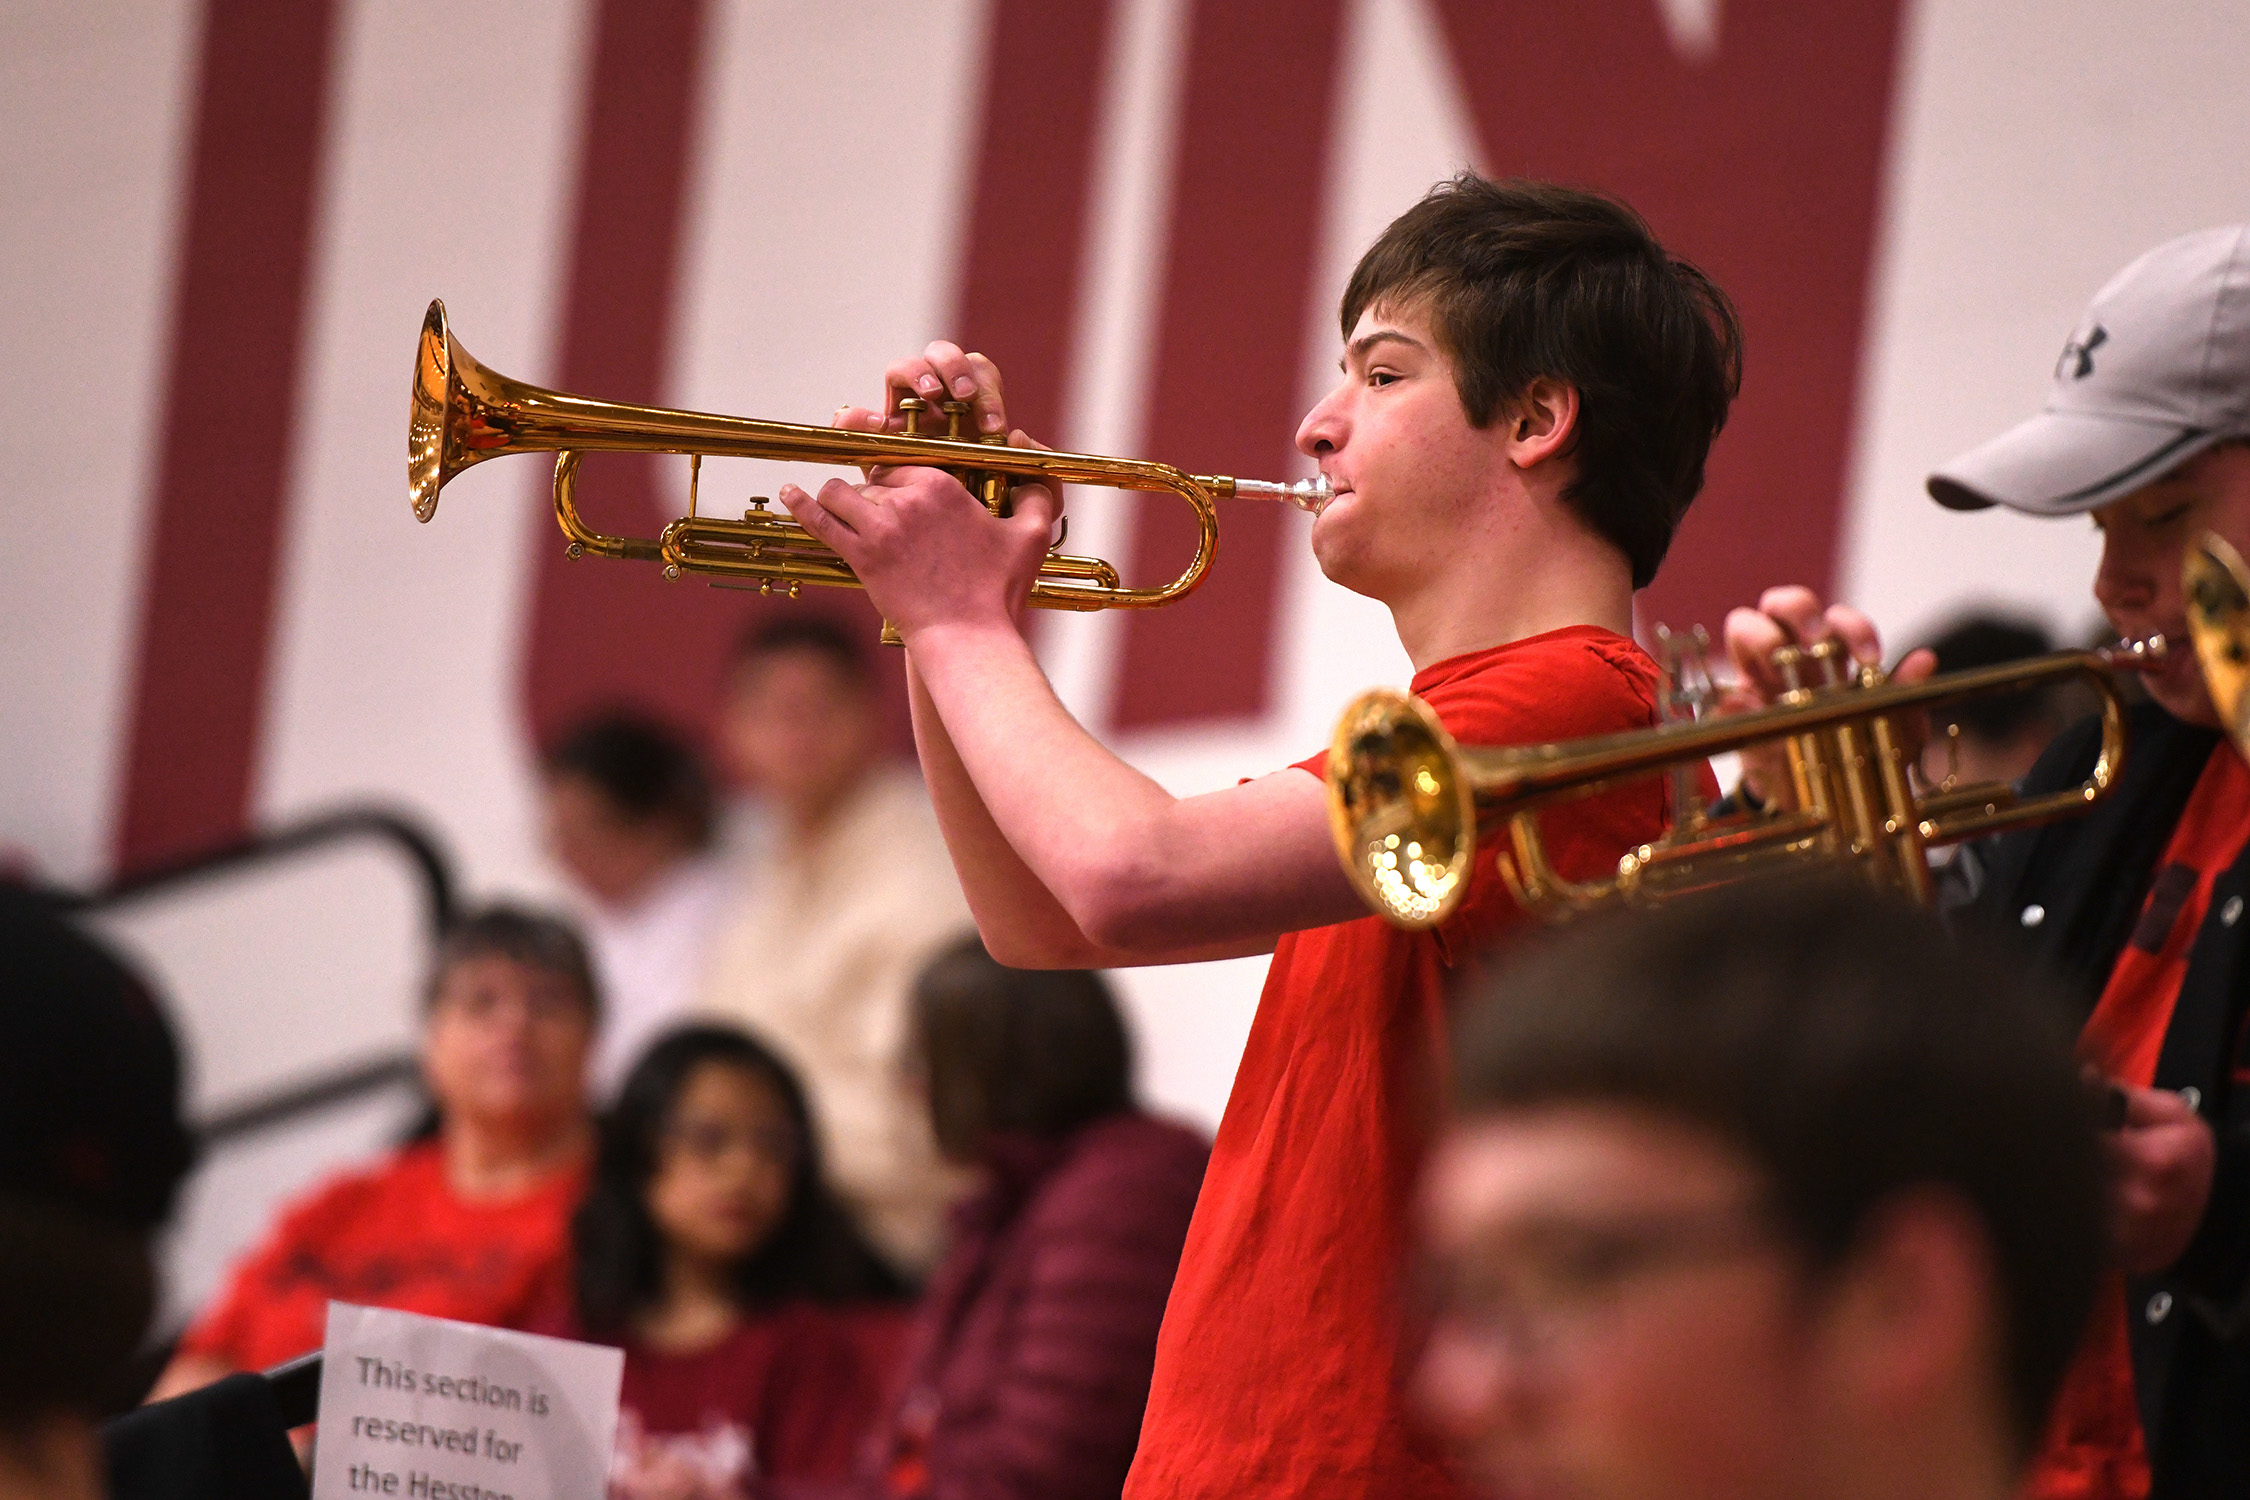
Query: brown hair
<point x="1523" y="280"/>
<point x="1851" y="1049"/>
<point x="1016" y="1051"/>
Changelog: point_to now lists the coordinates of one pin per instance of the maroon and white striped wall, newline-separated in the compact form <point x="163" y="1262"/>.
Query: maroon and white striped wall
<point x="225" y="217"/>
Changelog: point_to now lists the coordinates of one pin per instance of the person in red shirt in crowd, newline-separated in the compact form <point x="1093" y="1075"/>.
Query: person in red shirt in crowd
<point x="2138" y="903"/>
<point x="1530" y="386"/>
<point x="1030" y="1364"/>
<point x="470" y="1224"/>
<point x="712" y="1252"/>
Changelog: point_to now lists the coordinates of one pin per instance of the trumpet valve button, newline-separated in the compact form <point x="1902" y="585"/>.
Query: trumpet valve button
<point x="956" y="412"/>
<point x="757" y="503"/>
<point x="911" y="408"/>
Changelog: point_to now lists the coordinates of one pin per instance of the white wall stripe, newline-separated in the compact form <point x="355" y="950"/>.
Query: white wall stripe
<point x="2037" y="146"/>
<point x="1128" y="221"/>
<point x="448" y="174"/>
<point x="96" y="106"/>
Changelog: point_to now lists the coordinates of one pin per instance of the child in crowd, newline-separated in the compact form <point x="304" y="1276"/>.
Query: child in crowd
<point x="710" y="1250"/>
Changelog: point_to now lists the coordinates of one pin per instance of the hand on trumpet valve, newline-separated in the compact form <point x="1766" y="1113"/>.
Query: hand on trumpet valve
<point x="944" y="372"/>
<point x="1794" y="616"/>
<point x="928" y="554"/>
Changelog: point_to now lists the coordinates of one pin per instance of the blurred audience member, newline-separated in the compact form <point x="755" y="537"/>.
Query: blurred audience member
<point x="851" y="894"/>
<point x="1772" y="1193"/>
<point x="92" y="1150"/>
<point x="711" y="1252"/>
<point x="470" y="1224"/>
<point x="1038" y="1336"/>
<point x="629" y="815"/>
<point x="2000" y="735"/>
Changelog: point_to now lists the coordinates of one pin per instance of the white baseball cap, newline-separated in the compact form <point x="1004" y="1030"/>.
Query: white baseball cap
<point x="2157" y="371"/>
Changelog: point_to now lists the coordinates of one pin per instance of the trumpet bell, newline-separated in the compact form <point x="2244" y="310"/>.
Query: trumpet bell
<point x="450" y="424"/>
<point x="436" y="389"/>
<point x="1400" y="809"/>
<point x="2217" y="586"/>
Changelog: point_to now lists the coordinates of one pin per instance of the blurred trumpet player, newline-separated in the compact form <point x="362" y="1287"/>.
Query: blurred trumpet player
<point x="1529" y="386"/>
<point x="2147" y="430"/>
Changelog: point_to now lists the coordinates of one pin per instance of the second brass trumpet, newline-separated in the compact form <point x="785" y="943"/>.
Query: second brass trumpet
<point x="1407" y="805"/>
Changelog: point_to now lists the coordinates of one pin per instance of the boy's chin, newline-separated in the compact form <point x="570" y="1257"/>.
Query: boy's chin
<point x="1350" y="567"/>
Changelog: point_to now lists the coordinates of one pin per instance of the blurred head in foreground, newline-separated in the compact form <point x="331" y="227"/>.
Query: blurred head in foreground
<point x="92" y="1150"/>
<point x="1777" y="1192"/>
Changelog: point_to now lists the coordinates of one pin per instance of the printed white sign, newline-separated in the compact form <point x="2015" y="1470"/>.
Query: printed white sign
<point x="419" y="1408"/>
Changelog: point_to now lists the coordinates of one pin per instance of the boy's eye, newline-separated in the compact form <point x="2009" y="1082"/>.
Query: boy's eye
<point x="1381" y="377"/>
<point x="2168" y="515"/>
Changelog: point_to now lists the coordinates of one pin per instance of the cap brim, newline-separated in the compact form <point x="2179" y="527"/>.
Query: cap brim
<point x="2064" y="463"/>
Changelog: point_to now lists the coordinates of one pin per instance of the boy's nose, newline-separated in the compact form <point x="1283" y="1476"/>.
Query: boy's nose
<point x="2126" y="576"/>
<point x="1321" y="432"/>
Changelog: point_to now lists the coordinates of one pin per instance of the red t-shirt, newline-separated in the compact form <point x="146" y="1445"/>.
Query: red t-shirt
<point x="788" y="1394"/>
<point x="1276" y="1367"/>
<point x="393" y="1236"/>
<point x="2094" y="1449"/>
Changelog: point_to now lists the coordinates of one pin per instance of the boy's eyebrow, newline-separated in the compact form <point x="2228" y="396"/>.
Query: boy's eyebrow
<point x="1367" y="341"/>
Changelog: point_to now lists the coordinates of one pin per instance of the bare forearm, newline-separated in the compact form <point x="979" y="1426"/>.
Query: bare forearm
<point x="1019" y="918"/>
<point x="1137" y="870"/>
<point x="1071" y="811"/>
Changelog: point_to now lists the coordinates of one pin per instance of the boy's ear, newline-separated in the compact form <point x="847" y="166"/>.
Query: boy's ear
<point x="1913" y="1322"/>
<point x="1541" y="422"/>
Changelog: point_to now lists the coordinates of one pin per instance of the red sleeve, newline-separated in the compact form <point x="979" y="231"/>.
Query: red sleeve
<point x="1562" y="687"/>
<point x="1536" y="692"/>
<point x="240" y="1326"/>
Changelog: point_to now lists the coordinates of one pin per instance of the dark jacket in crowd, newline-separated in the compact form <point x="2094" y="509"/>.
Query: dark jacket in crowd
<point x="2073" y="891"/>
<point x="1034" y="1349"/>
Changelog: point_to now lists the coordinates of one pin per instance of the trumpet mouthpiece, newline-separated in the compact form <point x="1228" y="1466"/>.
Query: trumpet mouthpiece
<point x="1306" y="494"/>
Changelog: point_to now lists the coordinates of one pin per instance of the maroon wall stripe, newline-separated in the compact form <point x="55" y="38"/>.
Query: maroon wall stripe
<point x="1763" y="164"/>
<point x="607" y="635"/>
<point x="230" y="411"/>
<point x="1027" y="211"/>
<point x="1025" y="243"/>
<point x="1227" y="381"/>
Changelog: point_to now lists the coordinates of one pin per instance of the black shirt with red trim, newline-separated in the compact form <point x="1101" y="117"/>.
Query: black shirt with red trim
<point x="2073" y="893"/>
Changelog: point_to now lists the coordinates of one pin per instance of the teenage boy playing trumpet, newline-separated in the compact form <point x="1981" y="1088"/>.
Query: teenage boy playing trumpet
<point x="1530" y="384"/>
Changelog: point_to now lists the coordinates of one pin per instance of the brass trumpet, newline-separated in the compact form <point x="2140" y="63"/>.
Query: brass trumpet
<point x="1406" y="803"/>
<point x="464" y="413"/>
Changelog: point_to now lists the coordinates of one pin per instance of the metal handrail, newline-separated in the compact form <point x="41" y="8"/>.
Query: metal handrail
<point x="421" y="849"/>
<point x="434" y="876"/>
